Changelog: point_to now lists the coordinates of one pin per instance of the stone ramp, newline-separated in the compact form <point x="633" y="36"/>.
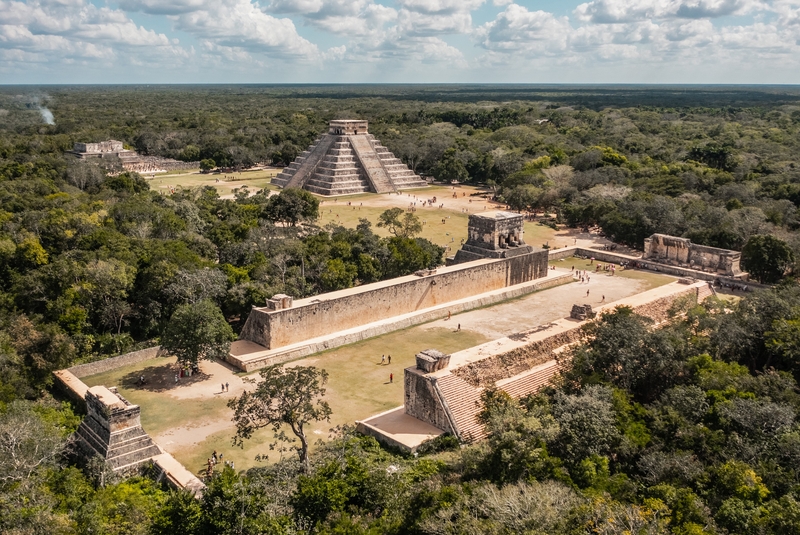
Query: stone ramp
<point x="371" y="164"/>
<point x="529" y="382"/>
<point x="463" y="403"/>
<point x="307" y="167"/>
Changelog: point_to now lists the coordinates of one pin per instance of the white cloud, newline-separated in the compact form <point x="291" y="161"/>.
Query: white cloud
<point x="76" y="30"/>
<point x="616" y="11"/>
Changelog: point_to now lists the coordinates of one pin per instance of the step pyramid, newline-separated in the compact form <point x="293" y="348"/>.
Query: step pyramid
<point x="346" y="160"/>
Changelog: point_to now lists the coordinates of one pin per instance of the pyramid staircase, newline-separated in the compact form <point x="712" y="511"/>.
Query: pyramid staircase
<point x="345" y="161"/>
<point x="463" y="403"/>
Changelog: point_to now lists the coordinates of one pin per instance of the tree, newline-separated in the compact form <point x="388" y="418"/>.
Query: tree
<point x="406" y="227"/>
<point x="197" y="330"/>
<point x="450" y="168"/>
<point x="285" y="396"/>
<point x="766" y="257"/>
<point x="207" y="164"/>
<point x="291" y="206"/>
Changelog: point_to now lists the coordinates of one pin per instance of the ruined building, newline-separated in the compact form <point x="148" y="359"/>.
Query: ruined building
<point x="112" y="429"/>
<point x="348" y="159"/>
<point x="682" y="252"/>
<point x="493" y="235"/>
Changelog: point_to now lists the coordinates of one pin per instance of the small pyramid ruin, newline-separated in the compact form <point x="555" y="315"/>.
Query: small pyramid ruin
<point x="346" y="160"/>
<point x="112" y="429"/>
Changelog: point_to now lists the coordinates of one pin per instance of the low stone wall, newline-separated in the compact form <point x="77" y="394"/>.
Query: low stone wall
<point x="300" y="351"/>
<point x="112" y="363"/>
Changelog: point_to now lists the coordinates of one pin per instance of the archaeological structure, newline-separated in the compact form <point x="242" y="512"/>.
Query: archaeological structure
<point x="682" y="252"/>
<point x="346" y="160"/>
<point x="285" y="328"/>
<point x="442" y="393"/>
<point x="493" y="235"/>
<point x="130" y="160"/>
<point x="112" y="430"/>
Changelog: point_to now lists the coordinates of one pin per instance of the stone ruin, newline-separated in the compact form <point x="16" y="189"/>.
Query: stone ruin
<point x="682" y="252"/>
<point x="279" y="302"/>
<point x="348" y="159"/>
<point x="582" y="312"/>
<point x="493" y="235"/>
<point x="112" y="429"/>
<point x="432" y="360"/>
<point x="131" y="160"/>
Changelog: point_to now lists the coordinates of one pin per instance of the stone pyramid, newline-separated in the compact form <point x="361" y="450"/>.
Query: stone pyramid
<point x="112" y="429"/>
<point x="348" y="160"/>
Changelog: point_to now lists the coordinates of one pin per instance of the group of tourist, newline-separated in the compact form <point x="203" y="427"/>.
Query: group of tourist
<point x="214" y="460"/>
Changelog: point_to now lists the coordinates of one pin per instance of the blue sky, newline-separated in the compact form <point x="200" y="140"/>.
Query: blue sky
<point x="390" y="41"/>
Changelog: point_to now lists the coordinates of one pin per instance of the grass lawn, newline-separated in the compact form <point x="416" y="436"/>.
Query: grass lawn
<point x="254" y="180"/>
<point x="358" y="387"/>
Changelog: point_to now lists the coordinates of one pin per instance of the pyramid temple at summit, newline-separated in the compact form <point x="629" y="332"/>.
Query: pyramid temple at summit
<point x="346" y="160"/>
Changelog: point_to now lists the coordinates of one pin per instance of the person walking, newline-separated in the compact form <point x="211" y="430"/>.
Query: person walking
<point x="391" y="377"/>
<point x="227" y="387"/>
<point x="222" y="387"/>
<point x="587" y="293"/>
<point x="390" y="359"/>
<point x="383" y="360"/>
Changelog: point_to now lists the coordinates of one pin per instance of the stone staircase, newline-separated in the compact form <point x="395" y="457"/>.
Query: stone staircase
<point x="463" y="402"/>
<point x="371" y="164"/>
<point x="401" y="176"/>
<point x="339" y="172"/>
<point x="529" y="382"/>
<point x="296" y="175"/>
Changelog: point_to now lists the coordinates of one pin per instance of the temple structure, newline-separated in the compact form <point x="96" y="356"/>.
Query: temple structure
<point x="346" y="160"/>
<point x="682" y="252"/>
<point x="493" y="235"/>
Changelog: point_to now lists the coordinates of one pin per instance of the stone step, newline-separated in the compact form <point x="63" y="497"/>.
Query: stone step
<point x="463" y="400"/>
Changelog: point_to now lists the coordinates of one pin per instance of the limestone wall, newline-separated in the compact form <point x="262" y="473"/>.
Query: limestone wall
<point x="422" y="401"/>
<point x="112" y="363"/>
<point x="347" y="309"/>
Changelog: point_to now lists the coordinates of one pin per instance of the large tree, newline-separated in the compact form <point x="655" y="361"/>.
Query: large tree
<point x="766" y="257"/>
<point x="197" y="331"/>
<point x="291" y="206"/>
<point x="284" y="396"/>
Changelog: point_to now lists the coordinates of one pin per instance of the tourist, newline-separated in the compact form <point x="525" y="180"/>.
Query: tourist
<point x="587" y="293"/>
<point x="176" y="377"/>
<point x="448" y="314"/>
<point x="227" y="387"/>
<point x="390" y="359"/>
<point x="459" y="327"/>
<point x="214" y="456"/>
<point x="603" y="299"/>
<point x="223" y="387"/>
<point x="383" y="360"/>
<point x="391" y="377"/>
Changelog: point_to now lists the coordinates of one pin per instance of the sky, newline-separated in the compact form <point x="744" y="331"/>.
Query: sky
<point x="399" y="41"/>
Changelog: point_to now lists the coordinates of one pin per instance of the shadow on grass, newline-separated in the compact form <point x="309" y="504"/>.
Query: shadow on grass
<point x="159" y="379"/>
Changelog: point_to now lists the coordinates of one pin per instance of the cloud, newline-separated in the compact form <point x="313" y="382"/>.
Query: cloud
<point x="440" y="6"/>
<point x="76" y="30"/>
<point x="621" y="11"/>
<point x="517" y="30"/>
<point x="237" y="24"/>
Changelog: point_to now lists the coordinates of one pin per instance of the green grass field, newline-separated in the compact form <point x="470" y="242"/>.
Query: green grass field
<point x="358" y="387"/>
<point x="254" y="180"/>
